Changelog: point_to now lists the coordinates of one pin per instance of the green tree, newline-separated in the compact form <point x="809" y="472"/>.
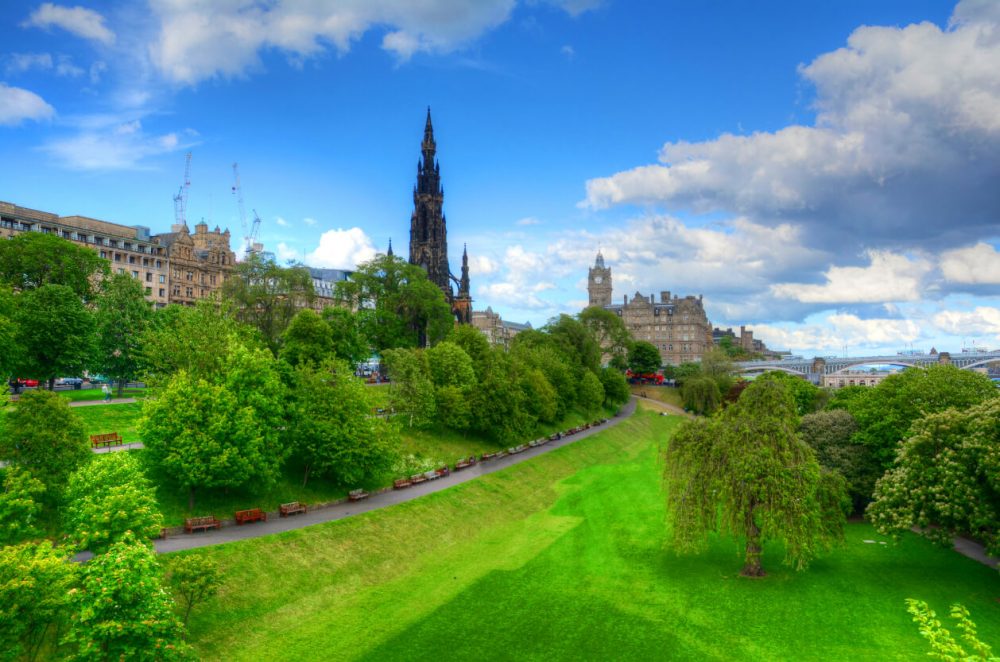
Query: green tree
<point x="55" y="333"/>
<point x="576" y="342"/>
<point x="701" y="395"/>
<point x="10" y="357"/>
<point x="644" y="358"/>
<point x="449" y="365"/>
<point x="31" y="260"/>
<point x="498" y="402"/>
<point x="942" y="642"/>
<point x="333" y="430"/>
<point x="267" y="296"/>
<point x="308" y="338"/>
<point x="122" y="611"/>
<point x="397" y="306"/>
<point x="684" y="371"/>
<point x="195" y="578"/>
<point x="946" y="479"/>
<point x="107" y="499"/>
<point x="540" y="397"/>
<point x="746" y="473"/>
<point x="411" y="391"/>
<point x="20" y="505"/>
<point x="591" y="393"/>
<point x="716" y="365"/>
<point x="535" y="349"/>
<point x="611" y="335"/>
<point x="475" y="344"/>
<point x="44" y="436"/>
<point x="616" y="391"/>
<point x="221" y="431"/>
<point x="349" y="342"/>
<point x="887" y="411"/>
<point x="830" y="434"/>
<point x="35" y="583"/>
<point x="452" y="407"/>
<point x="123" y="316"/>
<point x="805" y="393"/>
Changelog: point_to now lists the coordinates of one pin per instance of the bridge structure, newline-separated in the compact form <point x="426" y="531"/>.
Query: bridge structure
<point x="813" y="369"/>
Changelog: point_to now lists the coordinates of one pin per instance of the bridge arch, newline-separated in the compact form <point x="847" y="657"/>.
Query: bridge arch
<point x="760" y="370"/>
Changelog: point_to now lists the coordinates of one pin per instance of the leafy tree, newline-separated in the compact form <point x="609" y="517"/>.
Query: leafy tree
<point x="123" y="316"/>
<point x="55" y="333"/>
<point x="308" y="338"/>
<point x="498" y="402"/>
<point x="746" y="473"/>
<point x="540" y="397"/>
<point x="195" y="578"/>
<point x="942" y="642"/>
<point x="397" y="306"/>
<point x="887" y="411"/>
<point x="452" y="406"/>
<point x="333" y="430"/>
<point x="616" y="390"/>
<point x="591" y="393"/>
<point x="449" y="365"/>
<point x="35" y="582"/>
<point x="830" y="434"/>
<point x="803" y="391"/>
<point x="10" y="357"/>
<point x="349" y="341"/>
<point x="701" y="395"/>
<point x="220" y="431"/>
<point x="107" y="499"/>
<point x="267" y="296"/>
<point x="718" y="366"/>
<point x="644" y="358"/>
<point x="536" y="349"/>
<point x="122" y="611"/>
<point x="31" y="260"/>
<point x="475" y="344"/>
<point x="946" y="479"/>
<point x="576" y="342"/>
<point x="611" y="335"/>
<point x="411" y="391"/>
<point x="685" y="371"/>
<point x="44" y="436"/>
<point x="20" y="505"/>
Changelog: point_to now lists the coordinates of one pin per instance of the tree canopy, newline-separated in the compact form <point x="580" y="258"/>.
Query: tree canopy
<point x="308" y="338"/>
<point x="644" y="358"/>
<point x="55" y="333"/>
<point x="611" y="334"/>
<point x="123" y="316"/>
<point x="20" y="505"/>
<point x="30" y="260"/>
<point x="746" y="473"/>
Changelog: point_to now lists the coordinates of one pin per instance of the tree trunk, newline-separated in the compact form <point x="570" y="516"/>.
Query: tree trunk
<point x="52" y="383"/>
<point x="751" y="566"/>
<point x="305" y="478"/>
<point x="191" y="500"/>
<point x="121" y="387"/>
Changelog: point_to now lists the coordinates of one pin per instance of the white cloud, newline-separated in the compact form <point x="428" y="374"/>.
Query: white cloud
<point x="888" y="277"/>
<point x="342" y="249"/>
<point x="983" y="320"/>
<point x="286" y="253"/>
<point x="107" y="143"/>
<point x="62" y="65"/>
<point x="80" y="21"/>
<point x="481" y="265"/>
<point x="280" y="221"/>
<point x="839" y="331"/>
<point x="974" y="265"/>
<point x="97" y="70"/>
<point x="309" y="221"/>
<point x="530" y="220"/>
<point x="17" y="105"/>
<point x="905" y="150"/>
<point x="568" y="51"/>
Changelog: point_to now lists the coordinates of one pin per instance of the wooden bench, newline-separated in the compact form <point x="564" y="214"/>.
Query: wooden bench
<point x="292" y="508"/>
<point x="418" y="478"/>
<point x="357" y="495"/>
<point x="107" y="439"/>
<point x="400" y="483"/>
<point x="465" y="462"/>
<point x="250" y="515"/>
<point x="443" y="471"/>
<point x="488" y="456"/>
<point x="203" y="523"/>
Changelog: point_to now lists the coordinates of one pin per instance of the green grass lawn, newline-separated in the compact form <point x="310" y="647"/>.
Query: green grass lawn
<point x="121" y="418"/>
<point x="562" y="557"/>
<point x="667" y="394"/>
<point x="95" y="394"/>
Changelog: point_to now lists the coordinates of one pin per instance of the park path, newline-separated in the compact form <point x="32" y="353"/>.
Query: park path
<point x="659" y="405"/>
<point x="275" y="524"/>
<point x="92" y="403"/>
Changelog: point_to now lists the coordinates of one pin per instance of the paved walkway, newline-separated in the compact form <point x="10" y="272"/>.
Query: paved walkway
<point x="340" y="511"/>
<point x="663" y="406"/>
<point x="91" y="403"/>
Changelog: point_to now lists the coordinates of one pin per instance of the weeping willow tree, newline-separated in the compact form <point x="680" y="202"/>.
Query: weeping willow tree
<point x="745" y="473"/>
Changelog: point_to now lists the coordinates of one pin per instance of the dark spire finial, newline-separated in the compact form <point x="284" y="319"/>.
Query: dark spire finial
<point x="389" y="252"/>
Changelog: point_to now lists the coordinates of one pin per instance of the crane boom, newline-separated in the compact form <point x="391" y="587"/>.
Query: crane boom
<point x="180" y="200"/>
<point x="238" y="191"/>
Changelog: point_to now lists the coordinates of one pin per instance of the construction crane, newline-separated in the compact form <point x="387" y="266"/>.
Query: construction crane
<point x="249" y="234"/>
<point x="180" y="200"/>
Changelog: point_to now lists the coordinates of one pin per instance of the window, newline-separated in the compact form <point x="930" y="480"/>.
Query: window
<point x="149" y="277"/>
<point x="161" y="291"/>
<point x="163" y="279"/>
<point x="188" y="292"/>
<point x="159" y="264"/>
<point x="190" y="275"/>
<point x="131" y="259"/>
<point x="135" y="274"/>
<point x="118" y="257"/>
<point x="212" y="279"/>
<point x="104" y="254"/>
<point x="145" y="261"/>
<point x="120" y="270"/>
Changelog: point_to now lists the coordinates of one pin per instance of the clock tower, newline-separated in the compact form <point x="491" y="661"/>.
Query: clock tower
<point x="599" y="283"/>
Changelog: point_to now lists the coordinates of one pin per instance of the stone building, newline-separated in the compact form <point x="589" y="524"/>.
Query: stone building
<point x="429" y="230"/>
<point x="497" y="331"/>
<point x="175" y="267"/>
<point x="324" y="285"/>
<point x="677" y="326"/>
<point x="744" y="340"/>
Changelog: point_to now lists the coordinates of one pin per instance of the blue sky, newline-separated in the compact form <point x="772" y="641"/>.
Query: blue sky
<point x="825" y="172"/>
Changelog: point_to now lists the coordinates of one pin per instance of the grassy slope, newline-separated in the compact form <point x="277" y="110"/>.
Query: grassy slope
<point x="123" y="418"/>
<point x="96" y="394"/>
<point x="667" y="394"/>
<point x="561" y="557"/>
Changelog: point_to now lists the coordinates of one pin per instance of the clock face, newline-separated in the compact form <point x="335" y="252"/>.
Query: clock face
<point x="598" y="279"/>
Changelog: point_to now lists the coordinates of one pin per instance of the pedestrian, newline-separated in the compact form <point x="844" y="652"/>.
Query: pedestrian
<point x="106" y="390"/>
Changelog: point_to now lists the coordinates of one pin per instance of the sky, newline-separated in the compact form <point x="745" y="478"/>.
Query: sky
<point x="826" y="173"/>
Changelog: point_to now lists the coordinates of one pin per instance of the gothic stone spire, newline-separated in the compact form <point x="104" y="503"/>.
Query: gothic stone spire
<point x="428" y="230"/>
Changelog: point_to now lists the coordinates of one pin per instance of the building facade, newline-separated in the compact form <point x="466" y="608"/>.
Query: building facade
<point x="175" y="267"/>
<point x="497" y="331"/>
<point x="429" y="230"/>
<point x="677" y="326"/>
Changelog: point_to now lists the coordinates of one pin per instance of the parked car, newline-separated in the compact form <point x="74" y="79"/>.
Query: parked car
<point x="69" y="381"/>
<point x="29" y="383"/>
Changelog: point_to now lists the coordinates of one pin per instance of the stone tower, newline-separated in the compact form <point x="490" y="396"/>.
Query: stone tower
<point x="599" y="283"/>
<point x="462" y="306"/>
<point x="428" y="230"/>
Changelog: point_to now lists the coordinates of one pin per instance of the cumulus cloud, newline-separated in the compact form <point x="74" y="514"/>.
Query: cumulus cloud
<point x="904" y="152"/>
<point x="839" y="331"/>
<point x="286" y="253"/>
<point x="530" y="220"/>
<point x="280" y="221"/>
<point x="983" y="320"/>
<point x="889" y="277"/>
<point x="973" y="265"/>
<point x="108" y="143"/>
<point x="17" y="105"/>
<point x="481" y="265"/>
<point x="80" y="21"/>
<point x="342" y="249"/>
<point x="311" y="222"/>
